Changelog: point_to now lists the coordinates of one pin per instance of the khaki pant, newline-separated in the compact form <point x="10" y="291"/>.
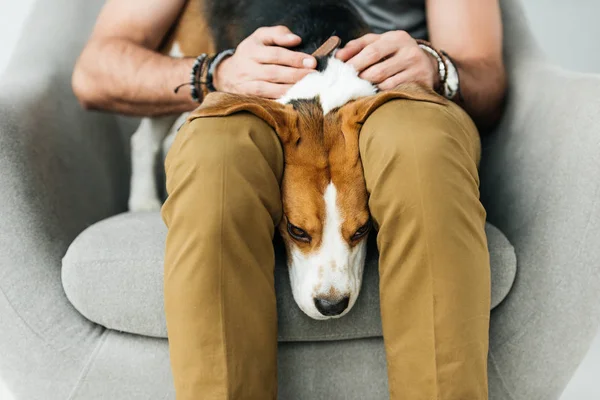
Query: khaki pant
<point x="420" y="163"/>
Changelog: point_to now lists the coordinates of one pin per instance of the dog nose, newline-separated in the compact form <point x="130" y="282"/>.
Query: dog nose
<point x="329" y="307"/>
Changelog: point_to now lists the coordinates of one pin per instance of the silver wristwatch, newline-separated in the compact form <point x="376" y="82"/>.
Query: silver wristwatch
<point x="451" y="85"/>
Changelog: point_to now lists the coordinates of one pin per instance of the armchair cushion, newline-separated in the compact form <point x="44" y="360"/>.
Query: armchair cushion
<point x="113" y="274"/>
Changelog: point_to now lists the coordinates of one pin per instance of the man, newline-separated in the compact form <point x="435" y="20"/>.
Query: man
<point x="420" y="165"/>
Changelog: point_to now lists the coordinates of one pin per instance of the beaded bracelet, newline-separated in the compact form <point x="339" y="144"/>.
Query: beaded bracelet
<point x="202" y="73"/>
<point x="195" y="81"/>
<point x="197" y="68"/>
<point x="201" y="80"/>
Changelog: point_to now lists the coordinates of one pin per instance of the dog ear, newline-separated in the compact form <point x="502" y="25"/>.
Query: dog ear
<point x="218" y="104"/>
<point x="355" y="113"/>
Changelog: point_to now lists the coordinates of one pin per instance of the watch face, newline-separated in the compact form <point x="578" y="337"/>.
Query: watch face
<point x="451" y="85"/>
<point x="452" y="82"/>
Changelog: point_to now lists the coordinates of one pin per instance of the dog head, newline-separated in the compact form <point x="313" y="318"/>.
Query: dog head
<point x="326" y="219"/>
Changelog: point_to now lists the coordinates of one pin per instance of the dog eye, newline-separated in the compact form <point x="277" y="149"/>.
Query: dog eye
<point x="298" y="233"/>
<point x="362" y="231"/>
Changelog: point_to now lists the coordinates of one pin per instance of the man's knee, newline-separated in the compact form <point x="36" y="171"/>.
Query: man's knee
<point x="234" y="161"/>
<point x="236" y="140"/>
<point x="403" y="129"/>
<point x="412" y="150"/>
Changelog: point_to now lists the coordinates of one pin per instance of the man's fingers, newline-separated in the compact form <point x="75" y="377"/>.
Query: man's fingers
<point x="276" y="36"/>
<point x="280" y="74"/>
<point x="282" y="56"/>
<point x="267" y="89"/>
<point x="363" y="41"/>
<point x="354" y="47"/>
<point x="347" y="53"/>
<point x="372" y="54"/>
<point x="383" y="70"/>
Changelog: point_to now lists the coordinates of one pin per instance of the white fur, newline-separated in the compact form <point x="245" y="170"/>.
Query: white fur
<point x="175" y="51"/>
<point x="168" y="142"/>
<point x="333" y="265"/>
<point x="145" y="145"/>
<point x="335" y="86"/>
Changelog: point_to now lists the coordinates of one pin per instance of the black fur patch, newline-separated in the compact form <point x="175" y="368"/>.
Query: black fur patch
<point x="322" y="63"/>
<point x="314" y="21"/>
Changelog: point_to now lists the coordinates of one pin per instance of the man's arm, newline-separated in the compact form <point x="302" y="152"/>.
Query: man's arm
<point x="120" y="70"/>
<point x="470" y="31"/>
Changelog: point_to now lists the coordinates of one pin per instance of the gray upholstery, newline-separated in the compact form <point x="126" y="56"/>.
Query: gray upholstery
<point x="113" y="274"/>
<point x="63" y="169"/>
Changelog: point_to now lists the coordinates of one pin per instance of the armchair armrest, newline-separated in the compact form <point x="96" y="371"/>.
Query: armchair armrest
<point x="541" y="187"/>
<point x="61" y="169"/>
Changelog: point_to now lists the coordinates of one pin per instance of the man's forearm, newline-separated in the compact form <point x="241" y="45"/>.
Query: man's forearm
<point x="482" y="86"/>
<point x="130" y="79"/>
<point x="470" y="31"/>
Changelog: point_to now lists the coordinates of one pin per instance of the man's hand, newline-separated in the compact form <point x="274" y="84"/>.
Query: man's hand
<point x="262" y="66"/>
<point x="390" y="59"/>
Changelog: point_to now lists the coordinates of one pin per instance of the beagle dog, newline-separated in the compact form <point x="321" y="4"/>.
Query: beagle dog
<point x="326" y="218"/>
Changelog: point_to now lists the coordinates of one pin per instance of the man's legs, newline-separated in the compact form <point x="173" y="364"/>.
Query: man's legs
<point x="420" y="163"/>
<point x="223" y="178"/>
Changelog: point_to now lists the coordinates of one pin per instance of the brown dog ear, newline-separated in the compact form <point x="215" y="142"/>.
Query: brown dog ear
<point x="280" y="117"/>
<point x="355" y="113"/>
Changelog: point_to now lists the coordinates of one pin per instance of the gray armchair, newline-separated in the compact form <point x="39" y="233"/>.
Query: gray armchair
<point x="62" y="170"/>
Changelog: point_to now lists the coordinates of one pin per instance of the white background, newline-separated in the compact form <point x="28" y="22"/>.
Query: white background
<point x="567" y="30"/>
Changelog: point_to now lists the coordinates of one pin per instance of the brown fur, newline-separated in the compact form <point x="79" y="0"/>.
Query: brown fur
<point x="191" y="32"/>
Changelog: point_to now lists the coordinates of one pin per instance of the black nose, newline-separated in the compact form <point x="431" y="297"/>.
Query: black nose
<point x="331" y="307"/>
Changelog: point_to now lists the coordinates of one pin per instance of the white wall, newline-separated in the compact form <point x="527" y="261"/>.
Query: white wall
<point x="567" y="30"/>
<point x="12" y="15"/>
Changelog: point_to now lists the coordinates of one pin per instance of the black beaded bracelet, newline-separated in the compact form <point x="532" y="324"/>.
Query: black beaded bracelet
<point x="194" y="76"/>
<point x="202" y="73"/>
